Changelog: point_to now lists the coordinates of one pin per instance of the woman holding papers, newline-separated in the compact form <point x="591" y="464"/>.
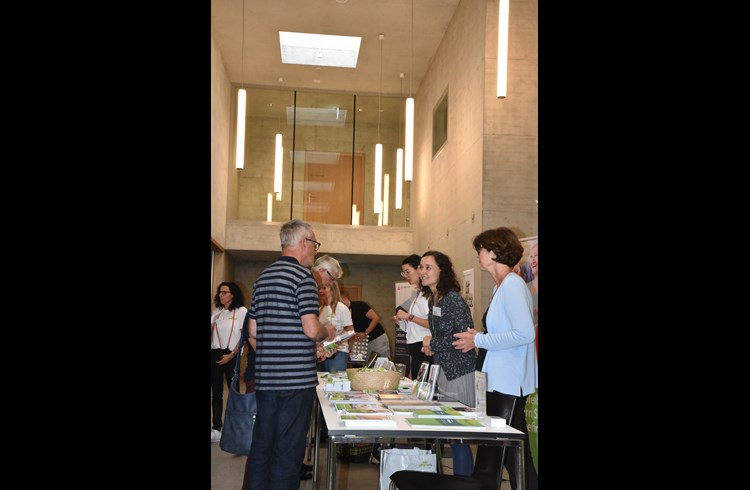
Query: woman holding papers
<point x="337" y="314"/>
<point x="412" y="316"/>
<point x="510" y="361"/>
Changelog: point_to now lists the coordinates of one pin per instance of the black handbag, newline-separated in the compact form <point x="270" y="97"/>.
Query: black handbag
<point x="239" y="416"/>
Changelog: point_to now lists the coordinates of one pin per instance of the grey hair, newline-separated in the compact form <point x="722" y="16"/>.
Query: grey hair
<point x="293" y="232"/>
<point x="330" y="264"/>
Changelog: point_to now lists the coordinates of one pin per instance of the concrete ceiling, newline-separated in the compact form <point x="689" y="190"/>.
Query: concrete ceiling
<point x="365" y="18"/>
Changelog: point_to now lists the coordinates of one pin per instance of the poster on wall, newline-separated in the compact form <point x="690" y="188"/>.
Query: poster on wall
<point x="467" y="291"/>
<point x="404" y="293"/>
<point x="528" y="268"/>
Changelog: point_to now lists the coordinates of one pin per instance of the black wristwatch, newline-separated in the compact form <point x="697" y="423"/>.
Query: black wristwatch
<point x="411" y="317"/>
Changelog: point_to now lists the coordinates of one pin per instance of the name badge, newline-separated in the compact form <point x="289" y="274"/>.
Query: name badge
<point x="436" y="311"/>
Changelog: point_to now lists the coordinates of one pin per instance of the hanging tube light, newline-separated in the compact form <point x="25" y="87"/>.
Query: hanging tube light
<point x="239" y="157"/>
<point x="409" y="141"/>
<point x="277" y="167"/>
<point x="399" y="176"/>
<point x="378" y="178"/>
<point x="279" y="160"/>
<point x="377" y="202"/>
<point x="386" y="188"/>
<point x="409" y="124"/>
<point x="502" y="49"/>
<point x="399" y="155"/>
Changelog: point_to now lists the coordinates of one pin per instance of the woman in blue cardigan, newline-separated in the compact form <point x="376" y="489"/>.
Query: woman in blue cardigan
<point x="507" y="341"/>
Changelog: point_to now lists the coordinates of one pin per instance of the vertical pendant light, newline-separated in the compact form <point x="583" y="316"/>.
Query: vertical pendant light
<point x="502" y="49"/>
<point x="279" y="161"/>
<point x="409" y="124"/>
<point x="399" y="154"/>
<point x="386" y="188"/>
<point x="269" y="207"/>
<point x="239" y="157"/>
<point x="378" y="204"/>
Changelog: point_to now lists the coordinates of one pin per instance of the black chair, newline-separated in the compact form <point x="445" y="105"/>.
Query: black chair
<point x="487" y="473"/>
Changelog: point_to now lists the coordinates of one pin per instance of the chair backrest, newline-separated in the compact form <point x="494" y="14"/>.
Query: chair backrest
<point x="491" y="459"/>
<point x="417" y="480"/>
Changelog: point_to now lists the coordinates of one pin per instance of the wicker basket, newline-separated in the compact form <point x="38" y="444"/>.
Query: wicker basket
<point x="354" y="453"/>
<point x="373" y="380"/>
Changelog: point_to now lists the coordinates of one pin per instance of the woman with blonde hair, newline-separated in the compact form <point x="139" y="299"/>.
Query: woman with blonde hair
<point x="337" y="314"/>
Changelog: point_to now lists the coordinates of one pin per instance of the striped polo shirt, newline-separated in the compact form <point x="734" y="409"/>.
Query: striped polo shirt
<point x="285" y="357"/>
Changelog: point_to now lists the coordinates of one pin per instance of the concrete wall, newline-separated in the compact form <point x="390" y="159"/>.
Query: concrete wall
<point x="223" y="266"/>
<point x="485" y="176"/>
<point x="220" y="142"/>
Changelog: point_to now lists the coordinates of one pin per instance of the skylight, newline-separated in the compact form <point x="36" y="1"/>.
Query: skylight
<point x="298" y="48"/>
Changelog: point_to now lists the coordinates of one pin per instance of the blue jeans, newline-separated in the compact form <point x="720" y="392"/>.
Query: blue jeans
<point x="278" y="449"/>
<point x="336" y="362"/>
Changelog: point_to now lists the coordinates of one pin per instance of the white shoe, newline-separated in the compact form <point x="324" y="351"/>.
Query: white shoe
<point x="215" y="435"/>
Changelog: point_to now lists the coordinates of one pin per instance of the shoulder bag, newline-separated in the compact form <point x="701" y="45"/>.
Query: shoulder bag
<point x="239" y="417"/>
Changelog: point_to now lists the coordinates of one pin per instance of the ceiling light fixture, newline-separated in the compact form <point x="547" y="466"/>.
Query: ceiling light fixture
<point x="239" y="156"/>
<point x="409" y="130"/>
<point x="399" y="154"/>
<point x="279" y="161"/>
<point x="502" y="49"/>
<point x="378" y="204"/>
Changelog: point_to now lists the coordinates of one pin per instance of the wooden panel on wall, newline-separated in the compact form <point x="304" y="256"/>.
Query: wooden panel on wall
<point x="354" y="290"/>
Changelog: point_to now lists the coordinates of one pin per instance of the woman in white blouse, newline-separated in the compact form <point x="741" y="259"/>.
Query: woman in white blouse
<point x="336" y="313"/>
<point x="226" y="330"/>
<point x="412" y="316"/>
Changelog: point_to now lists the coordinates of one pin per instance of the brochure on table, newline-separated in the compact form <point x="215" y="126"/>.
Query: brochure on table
<point x="365" y="410"/>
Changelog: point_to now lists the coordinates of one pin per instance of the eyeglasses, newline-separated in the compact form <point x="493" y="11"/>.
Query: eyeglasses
<point x="406" y="273"/>
<point x="317" y="245"/>
<point x="329" y="274"/>
<point x="225" y="292"/>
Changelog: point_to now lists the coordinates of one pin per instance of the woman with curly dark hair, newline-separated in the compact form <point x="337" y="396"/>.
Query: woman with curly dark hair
<point x="226" y="330"/>
<point x="449" y="314"/>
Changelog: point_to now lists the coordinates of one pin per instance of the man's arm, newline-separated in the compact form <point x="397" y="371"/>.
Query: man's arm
<point x="314" y="330"/>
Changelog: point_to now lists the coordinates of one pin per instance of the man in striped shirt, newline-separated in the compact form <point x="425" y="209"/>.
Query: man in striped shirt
<point x="284" y="321"/>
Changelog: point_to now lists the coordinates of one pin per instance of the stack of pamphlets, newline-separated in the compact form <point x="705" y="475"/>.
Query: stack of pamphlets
<point x="334" y="344"/>
<point x="365" y="420"/>
<point x="465" y="424"/>
<point x="359" y="408"/>
<point x="353" y="397"/>
<point x="439" y="412"/>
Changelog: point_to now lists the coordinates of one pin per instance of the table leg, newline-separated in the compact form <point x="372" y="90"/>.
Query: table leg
<point x="316" y="453"/>
<point x="520" y="473"/>
<point x="439" y="456"/>
<point x="331" y="462"/>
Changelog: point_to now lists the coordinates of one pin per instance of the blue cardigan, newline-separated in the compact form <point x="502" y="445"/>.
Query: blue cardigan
<point x="510" y="364"/>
